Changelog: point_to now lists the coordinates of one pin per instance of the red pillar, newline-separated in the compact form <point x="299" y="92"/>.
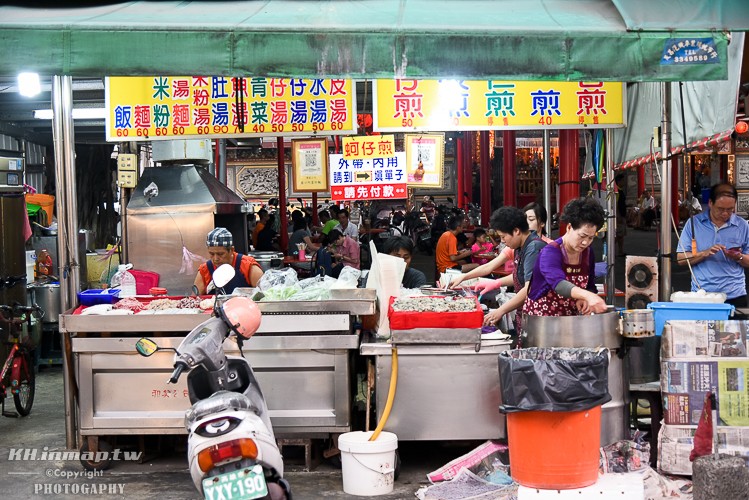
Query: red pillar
<point x="509" y="171"/>
<point x="674" y="190"/>
<point x="460" y="165"/>
<point x="485" y="177"/>
<point x="640" y="179"/>
<point x="468" y="168"/>
<point x="569" y="169"/>
<point x="315" y="218"/>
<point x="284" y="236"/>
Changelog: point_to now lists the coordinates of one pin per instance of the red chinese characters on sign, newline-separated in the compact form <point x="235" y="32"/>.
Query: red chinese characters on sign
<point x="407" y="100"/>
<point x="591" y="99"/>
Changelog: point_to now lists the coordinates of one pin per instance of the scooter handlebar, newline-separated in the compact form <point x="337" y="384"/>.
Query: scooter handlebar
<point x="179" y="367"/>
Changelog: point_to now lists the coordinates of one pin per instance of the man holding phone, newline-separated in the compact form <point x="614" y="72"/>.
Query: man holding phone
<point x="716" y="244"/>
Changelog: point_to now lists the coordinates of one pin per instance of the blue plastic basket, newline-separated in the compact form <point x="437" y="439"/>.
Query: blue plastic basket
<point x="667" y="311"/>
<point x="95" y="296"/>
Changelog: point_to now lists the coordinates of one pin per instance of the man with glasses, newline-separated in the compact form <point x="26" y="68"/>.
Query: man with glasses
<point x="715" y="243"/>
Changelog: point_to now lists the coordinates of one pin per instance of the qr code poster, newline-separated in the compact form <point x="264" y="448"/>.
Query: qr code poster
<point x="425" y="159"/>
<point x="309" y="161"/>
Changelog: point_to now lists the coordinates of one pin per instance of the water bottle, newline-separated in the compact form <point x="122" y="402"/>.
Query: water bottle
<point x="127" y="281"/>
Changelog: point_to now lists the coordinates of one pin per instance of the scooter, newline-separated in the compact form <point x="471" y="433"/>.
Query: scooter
<point x="231" y="450"/>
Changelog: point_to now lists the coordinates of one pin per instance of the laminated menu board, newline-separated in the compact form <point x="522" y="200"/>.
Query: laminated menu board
<point x="685" y="383"/>
<point x="704" y="339"/>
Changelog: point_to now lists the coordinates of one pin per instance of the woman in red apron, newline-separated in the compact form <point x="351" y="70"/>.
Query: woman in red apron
<point x="563" y="281"/>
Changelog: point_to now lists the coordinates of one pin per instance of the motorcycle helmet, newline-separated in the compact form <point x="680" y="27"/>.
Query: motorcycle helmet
<point x="242" y="315"/>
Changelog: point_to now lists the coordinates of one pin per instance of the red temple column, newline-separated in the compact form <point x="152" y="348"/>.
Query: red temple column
<point x="640" y="180"/>
<point x="485" y="177"/>
<point x="284" y="229"/>
<point x="509" y="170"/>
<point x="569" y="169"/>
<point x="459" y="170"/>
<point x="468" y="168"/>
<point x="674" y="190"/>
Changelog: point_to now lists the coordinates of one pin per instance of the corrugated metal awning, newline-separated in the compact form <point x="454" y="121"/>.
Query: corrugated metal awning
<point x="701" y="145"/>
<point x="500" y="39"/>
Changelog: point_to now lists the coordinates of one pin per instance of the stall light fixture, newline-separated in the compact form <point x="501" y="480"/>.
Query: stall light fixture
<point x="28" y="84"/>
<point x="78" y="114"/>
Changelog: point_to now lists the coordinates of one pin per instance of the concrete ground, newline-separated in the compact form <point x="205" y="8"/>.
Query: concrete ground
<point x="163" y="474"/>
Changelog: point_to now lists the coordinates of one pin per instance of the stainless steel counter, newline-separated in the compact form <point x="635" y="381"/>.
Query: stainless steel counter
<point x="301" y="356"/>
<point x="444" y="392"/>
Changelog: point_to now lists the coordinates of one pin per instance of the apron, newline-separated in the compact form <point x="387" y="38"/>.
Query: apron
<point x="553" y="304"/>
<point x="238" y="281"/>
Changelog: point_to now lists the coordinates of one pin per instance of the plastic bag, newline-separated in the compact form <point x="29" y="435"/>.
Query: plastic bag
<point x="278" y="293"/>
<point x="349" y="278"/>
<point x="277" y="278"/>
<point x="314" y="289"/>
<point x="553" y="379"/>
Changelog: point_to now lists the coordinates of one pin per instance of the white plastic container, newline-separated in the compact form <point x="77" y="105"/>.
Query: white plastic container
<point x="30" y="265"/>
<point x="700" y="296"/>
<point x="368" y="467"/>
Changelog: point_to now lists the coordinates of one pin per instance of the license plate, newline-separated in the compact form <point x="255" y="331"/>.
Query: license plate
<point x="245" y="484"/>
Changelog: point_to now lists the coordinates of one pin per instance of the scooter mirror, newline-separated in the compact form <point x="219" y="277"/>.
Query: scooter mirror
<point x="146" y="347"/>
<point x="223" y="275"/>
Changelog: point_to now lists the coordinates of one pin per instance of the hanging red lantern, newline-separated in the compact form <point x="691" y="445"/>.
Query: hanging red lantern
<point x="741" y="127"/>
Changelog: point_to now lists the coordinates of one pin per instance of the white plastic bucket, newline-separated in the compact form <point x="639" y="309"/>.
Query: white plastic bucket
<point x="368" y="467"/>
<point x="30" y="265"/>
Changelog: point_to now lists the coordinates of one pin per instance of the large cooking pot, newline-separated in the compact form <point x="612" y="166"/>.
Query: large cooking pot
<point x="592" y="330"/>
<point x="48" y="298"/>
<point x="267" y="260"/>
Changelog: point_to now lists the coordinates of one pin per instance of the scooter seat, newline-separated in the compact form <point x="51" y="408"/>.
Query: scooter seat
<point x="218" y="402"/>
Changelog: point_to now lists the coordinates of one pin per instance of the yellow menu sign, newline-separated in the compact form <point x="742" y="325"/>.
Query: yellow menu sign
<point x="169" y="107"/>
<point x="368" y="146"/>
<point x="445" y="105"/>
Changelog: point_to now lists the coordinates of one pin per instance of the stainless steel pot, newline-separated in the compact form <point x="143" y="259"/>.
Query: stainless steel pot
<point x="638" y="323"/>
<point x="267" y="260"/>
<point x="89" y="238"/>
<point x="48" y="298"/>
<point x="595" y="330"/>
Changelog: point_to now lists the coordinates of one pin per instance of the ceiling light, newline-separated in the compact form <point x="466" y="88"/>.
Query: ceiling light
<point x="28" y="84"/>
<point x="78" y="114"/>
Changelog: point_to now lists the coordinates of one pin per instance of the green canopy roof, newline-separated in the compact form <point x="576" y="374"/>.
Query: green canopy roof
<point x="613" y="40"/>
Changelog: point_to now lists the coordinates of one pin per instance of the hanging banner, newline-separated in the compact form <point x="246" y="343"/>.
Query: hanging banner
<point x="178" y="107"/>
<point x="425" y="158"/>
<point x="454" y="105"/>
<point x="371" y="178"/>
<point x="309" y="162"/>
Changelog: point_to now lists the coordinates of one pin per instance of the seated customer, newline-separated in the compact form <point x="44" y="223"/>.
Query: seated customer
<point x="446" y="253"/>
<point x="403" y="247"/>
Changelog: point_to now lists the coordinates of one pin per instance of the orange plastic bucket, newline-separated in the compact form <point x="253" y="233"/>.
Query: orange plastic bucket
<point x="46" y="201"/>
<point x="554" y="450"/>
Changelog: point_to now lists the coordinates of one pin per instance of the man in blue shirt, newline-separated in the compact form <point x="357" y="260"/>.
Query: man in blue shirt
<point x="716" y="245"/>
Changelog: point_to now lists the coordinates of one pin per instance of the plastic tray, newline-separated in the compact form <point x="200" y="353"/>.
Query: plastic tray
<point x="95" y="296"/>
<point x="408" y="320"/>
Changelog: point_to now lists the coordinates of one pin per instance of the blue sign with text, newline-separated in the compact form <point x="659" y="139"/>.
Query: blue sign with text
<point x="679" y="51"/>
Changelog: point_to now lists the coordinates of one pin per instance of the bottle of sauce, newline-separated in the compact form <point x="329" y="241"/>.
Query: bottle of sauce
<point x="43" y="264"/>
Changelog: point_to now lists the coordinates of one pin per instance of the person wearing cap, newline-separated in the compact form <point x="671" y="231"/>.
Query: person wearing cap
<point x="220" y="243"/>
<point x="715" y="244"/>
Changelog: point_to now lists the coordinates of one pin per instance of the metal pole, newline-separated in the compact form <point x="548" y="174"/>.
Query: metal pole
<point x="611" y="207"/>
<point x="64" y="144"/>
<point x="509" y="170"/>
<point x="665" y="257"/>
<point x="284" y="230"/>
<point x="222" y="161"/>
<point x="547" y="174"/>
<point x="485" y="177"/>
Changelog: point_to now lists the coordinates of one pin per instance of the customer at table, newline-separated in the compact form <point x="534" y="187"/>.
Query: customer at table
<point x="259" y="225"/>
<point x="446" y="253"/>
<point x="716" y="245"/>
<point x="267" y="239"/>
<point x="301" y="234"/>
<point x="403" y="247"/>
<point x="512" y="226"/>
<point x="344" y="250"/>
<point x="220" y="243"/>
<point x="563" y="281"/>
<point x="346" y="227"/>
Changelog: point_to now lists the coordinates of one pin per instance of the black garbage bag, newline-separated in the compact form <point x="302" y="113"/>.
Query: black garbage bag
<point x="553" y="379"/>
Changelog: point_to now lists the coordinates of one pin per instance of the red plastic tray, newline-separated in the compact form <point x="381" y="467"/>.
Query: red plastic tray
<point x="408" y="320"/>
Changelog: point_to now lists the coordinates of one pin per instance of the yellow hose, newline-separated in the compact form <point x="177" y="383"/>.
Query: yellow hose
<point x="391" y="396"/>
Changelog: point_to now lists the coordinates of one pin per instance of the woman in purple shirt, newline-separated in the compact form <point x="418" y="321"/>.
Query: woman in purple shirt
<point x="563" y="281"/>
